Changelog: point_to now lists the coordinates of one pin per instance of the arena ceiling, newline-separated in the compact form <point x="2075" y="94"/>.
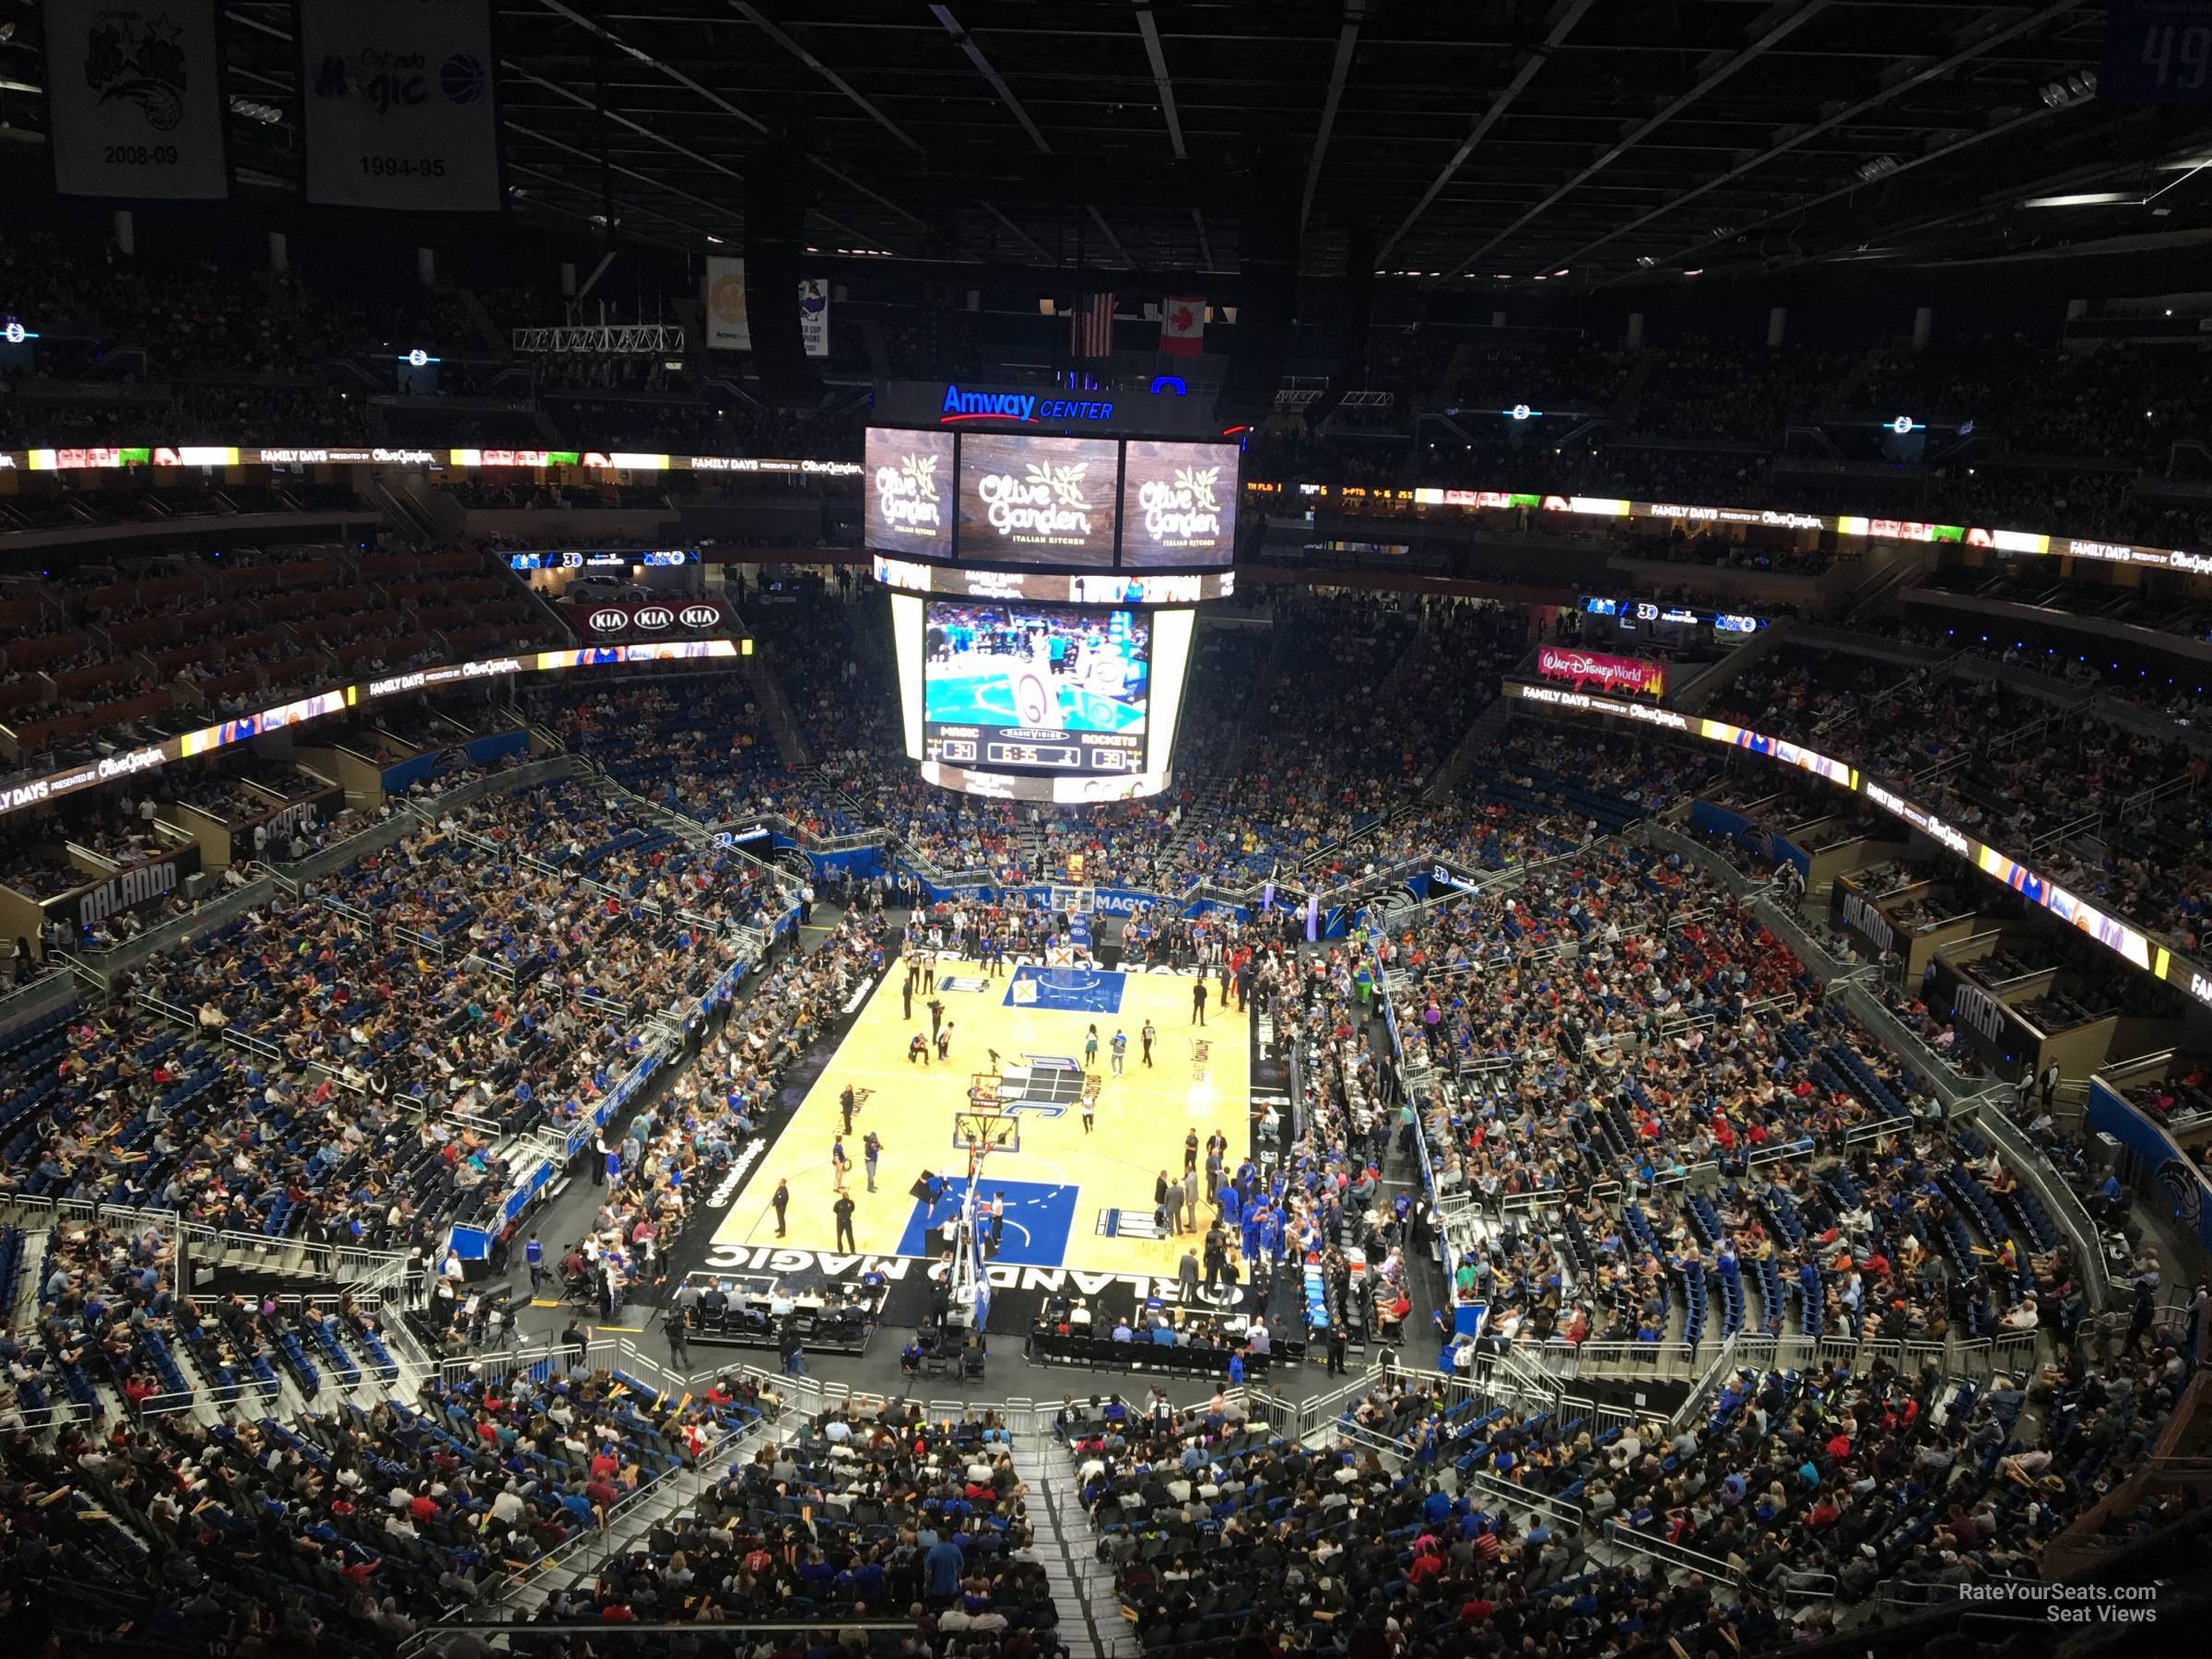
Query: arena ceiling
<point x="1469" y="142"/>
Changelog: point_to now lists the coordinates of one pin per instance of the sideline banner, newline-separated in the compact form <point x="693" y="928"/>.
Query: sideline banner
<point x="127" y="889"/>
<point x="134" y="96"/>
<point x="400" y="102"/>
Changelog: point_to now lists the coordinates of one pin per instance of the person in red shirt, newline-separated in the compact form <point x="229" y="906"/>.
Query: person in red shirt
<point x="1427" y="1567"/>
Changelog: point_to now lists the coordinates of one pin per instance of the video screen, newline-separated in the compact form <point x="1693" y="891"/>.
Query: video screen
<point x="1035" y="688"/>
<point x="1179" y="503"/>
<point x="1036" y="498"/>
<point x="910" y="492"/>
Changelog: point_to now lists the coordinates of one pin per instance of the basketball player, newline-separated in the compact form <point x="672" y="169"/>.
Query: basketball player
<point x="1090" y="1104"/>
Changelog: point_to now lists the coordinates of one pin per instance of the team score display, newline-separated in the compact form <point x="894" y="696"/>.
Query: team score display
<point x="404" y="167"/>
<point x="140" y="155"/>
<point x="2179" y="55"/>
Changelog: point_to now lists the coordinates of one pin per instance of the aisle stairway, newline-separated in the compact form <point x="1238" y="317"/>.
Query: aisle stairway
<point x="1479" y="738"/>
<point x="1090" y="1612"/>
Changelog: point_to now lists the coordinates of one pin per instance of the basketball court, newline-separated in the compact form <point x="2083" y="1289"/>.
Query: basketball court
<point x="1072" y="1200"/>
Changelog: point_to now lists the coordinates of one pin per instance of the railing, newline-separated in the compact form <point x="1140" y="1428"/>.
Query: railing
<point x="497" y="1364"/>
<point x="2060" y="1200"/>
<point x="348" y="1264"/>
<point x="1723" y="1364"/>
<point x="42" y="995"/>
<point x="1671" y="1361"/>
<point x="1672" y="1555"/>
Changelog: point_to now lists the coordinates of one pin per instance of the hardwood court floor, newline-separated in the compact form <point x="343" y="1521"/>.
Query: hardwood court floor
<point x="1058" y="1180"/>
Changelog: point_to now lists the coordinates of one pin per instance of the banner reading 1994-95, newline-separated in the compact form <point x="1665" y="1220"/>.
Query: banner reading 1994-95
<point x="134" y="98"/>
<point x="401" y="101"/>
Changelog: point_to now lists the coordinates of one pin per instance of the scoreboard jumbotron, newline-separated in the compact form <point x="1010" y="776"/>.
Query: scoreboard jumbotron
<point x="1047" y="551"/>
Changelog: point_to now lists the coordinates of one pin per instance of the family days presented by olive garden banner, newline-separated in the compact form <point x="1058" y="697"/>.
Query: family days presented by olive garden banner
<point x="134" y="97"/>
<point x="400" y="105"/>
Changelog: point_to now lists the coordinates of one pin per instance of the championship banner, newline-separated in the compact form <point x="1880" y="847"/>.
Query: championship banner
<point x="134" y="98"/>
<point x="1626" y="676"/>
<point x="729" y="325"/>
<point x="814" y="315"/>
<point x="400" y="102"/>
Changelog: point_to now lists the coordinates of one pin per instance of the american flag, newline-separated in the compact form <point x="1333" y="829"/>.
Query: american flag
<point x="1090" y="327"/>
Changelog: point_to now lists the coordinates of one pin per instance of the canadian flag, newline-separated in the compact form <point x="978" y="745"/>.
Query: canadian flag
<point x="1183" y="325"/>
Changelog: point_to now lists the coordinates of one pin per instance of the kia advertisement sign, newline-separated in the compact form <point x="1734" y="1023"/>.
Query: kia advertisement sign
<point x="910" y="492"/>
<point x="1023" y="498"/>
<point x="674" y="617"/>
<point x="1179" y="503"/>
<point x="1626" y="676"/>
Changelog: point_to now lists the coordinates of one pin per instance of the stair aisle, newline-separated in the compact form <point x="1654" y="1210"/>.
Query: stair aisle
<point x="1090" y="1612"/>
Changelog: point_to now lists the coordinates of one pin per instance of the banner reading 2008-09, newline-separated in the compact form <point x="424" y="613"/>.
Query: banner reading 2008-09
<point x="134" y="98"/>
<point x="401" y="104"/>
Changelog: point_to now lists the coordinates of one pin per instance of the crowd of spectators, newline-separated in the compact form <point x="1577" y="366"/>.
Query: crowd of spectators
<point x="858" y="1514"/>
<point x="347" y="1529"/>
<point x="352" y="1063"/>
<point x="2110" y="811"/>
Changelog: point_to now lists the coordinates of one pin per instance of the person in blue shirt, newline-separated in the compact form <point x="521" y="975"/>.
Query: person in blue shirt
<point x="941" y="1569"/>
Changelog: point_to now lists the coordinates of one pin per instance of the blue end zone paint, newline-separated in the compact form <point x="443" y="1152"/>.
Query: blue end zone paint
<point x="1038" y="1218"/>
<point x="1065" y="990"/>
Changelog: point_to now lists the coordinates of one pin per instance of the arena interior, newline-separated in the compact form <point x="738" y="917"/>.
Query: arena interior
<point x="1313" y="829"/>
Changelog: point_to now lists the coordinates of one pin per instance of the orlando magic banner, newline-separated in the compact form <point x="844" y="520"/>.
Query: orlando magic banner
<point x="814" y="315"/>
<point x="401" y="105"/>
<point x="134" y="97"/>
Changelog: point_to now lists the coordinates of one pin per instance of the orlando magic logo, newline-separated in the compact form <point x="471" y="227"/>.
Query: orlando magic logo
<point x="129" y="61"/>
<point x="2180" y="1183"/>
